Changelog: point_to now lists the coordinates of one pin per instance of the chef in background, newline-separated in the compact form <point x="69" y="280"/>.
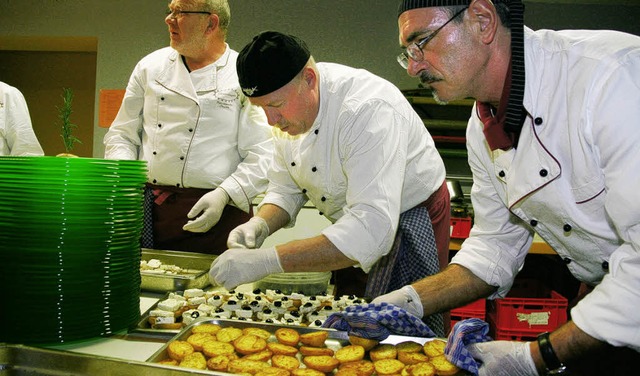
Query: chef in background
<point x="351" y="143"/>
<point x="553" y="143"/>
<point x="207" y="148"/>
<point x="16" y="132"/>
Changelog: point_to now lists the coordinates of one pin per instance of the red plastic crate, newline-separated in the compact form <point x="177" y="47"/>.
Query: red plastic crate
<point x="475" y="309"/>
<point x="460" y="227"/>
<point x="529" y="309"/>
<point x="512" y="335"/>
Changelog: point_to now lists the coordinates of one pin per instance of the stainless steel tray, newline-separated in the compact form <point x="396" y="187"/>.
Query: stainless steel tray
<point x="18" y="360"/>
<point x="198" y="262"/>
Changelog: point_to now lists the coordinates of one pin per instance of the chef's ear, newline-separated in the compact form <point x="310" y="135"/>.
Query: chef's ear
<point x="213" y="21"/>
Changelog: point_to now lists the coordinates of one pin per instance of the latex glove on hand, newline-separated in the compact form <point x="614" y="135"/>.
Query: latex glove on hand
<point x="237" y="266"/>
<point x="503" y="358"/>
<point x="249" y="235"/>
<point x="211" y="206"/>
<point x="406" y="298"/>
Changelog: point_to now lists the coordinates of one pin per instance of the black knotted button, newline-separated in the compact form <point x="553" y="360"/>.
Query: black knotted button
<point x="323" y="199"/>
<point x="190" y="129"/>
<point x="154" y="181"/>
<point x="544" y="172"/>
<point x="316" y="131"/>
<point x="182" y="158"/>
<point x="533" y="223"/>
<point x="538" y="121"/>
<point x="501" y="174"/>
<point x="605" y="265"/>
<point x="321" y="213"/>
<point x="567" y="260"/>
<point x="293" y="164"/>
<point x="178" y="185"/>
<point x="314" y="169"/>
<point x="155" y="153"/>
<point x="304" y="191"/>
<point x="567" y="227"/>
<point x="161" y="98"/>
<point x="159" y="125"/>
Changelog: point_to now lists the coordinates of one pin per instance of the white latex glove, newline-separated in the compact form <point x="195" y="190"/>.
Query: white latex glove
<point x="406" y="297"/>
<point x="211" y="206"/>
<point x="249" y="235"/>
<point x="504" y="358"/>
<point x="240" y="265"/>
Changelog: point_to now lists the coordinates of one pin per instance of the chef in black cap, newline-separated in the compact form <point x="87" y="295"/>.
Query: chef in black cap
<point x="553" y="147"/>
<point x="349" y="142"/>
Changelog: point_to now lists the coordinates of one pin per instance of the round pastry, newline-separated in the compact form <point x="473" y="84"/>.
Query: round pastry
<point x="249" y="344"/>
<point x="306" y="372"/>
<point x="434" y="348"/>
<point x="443" y="366"/>
<point x="383" y="351"/>
<point x="388" y="366"/>
<point x="273" y="371"/>
<point x="219" y="363"/>
<point x="179" y="349"/>
<point x="315" y="338"/>
<point x="287" y="336"/>
<point x="285" y="362"/>
<point x="247" y="366"/>
<point x="264" y="355"/>
<point x="359" y="368"/>
<point x="408" y="346"/>
<point x="214" y="348"/>
<point x="280" y="348"/>
<point x="228" y="334"/>
<point x="262" y="333"/>
<point x="419" y="369"/>
<point x="322" y="363"/>
<point x="206" y="328"/>
<point x="367" y="343"/>
<point x="312" y="350"/>
<point x="197" y="340"/>
<point x="412" y="357"/>
<point x="350" y="353"/>
<point x="194" y="360"/>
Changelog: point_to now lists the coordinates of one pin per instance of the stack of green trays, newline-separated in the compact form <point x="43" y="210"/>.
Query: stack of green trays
<point x="69" y="247"/>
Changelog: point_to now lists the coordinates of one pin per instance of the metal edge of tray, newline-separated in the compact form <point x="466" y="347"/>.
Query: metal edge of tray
<point x="27" y="360"/>
<point x="172" y="282"/>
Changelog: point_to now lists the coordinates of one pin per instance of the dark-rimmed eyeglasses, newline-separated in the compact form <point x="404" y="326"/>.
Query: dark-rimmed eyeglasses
<point x="414" y="50"/>
<point x="175" y="14"/>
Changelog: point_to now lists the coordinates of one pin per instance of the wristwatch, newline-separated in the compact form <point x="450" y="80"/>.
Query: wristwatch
<point x="553" y="365"/>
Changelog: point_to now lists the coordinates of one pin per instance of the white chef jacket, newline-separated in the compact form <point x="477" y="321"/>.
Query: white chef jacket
<point x="16" y="133"/>
<point x="574" y="178"/>
<point x="367" y="158"/>
<point x="203" y="136"/>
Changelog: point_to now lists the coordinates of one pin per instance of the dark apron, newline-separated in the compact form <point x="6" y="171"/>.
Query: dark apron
<point x="168" y="208"/>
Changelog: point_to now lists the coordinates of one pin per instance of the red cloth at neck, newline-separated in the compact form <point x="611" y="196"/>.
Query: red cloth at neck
<point x="494" y="132"/>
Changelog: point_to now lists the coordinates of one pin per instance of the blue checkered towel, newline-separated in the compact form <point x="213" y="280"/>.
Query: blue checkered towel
<point x="464" y="333"/>
<point x="378" y="321"/>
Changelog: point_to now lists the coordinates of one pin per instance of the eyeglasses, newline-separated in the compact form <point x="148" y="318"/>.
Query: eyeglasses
<point x="175" y="14"/>
<point x="414" y="50"/>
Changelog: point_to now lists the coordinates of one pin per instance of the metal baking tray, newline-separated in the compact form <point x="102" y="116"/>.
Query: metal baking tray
<point x="199" y="263"/>
<point x="17" y="360"/>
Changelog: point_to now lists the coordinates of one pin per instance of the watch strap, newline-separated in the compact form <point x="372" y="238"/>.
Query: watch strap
<point x="548" y="354"/>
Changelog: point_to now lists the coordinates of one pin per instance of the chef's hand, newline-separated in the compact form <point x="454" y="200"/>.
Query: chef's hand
<point x="503" y="358"/>
<point x="211" y="206"/>
<point x="249" y="235"/>
<point x="240" y="265"/>
<point x="406" y="298"/>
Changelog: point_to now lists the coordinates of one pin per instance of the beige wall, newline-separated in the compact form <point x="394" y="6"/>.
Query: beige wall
<point x="361" y="33"/>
